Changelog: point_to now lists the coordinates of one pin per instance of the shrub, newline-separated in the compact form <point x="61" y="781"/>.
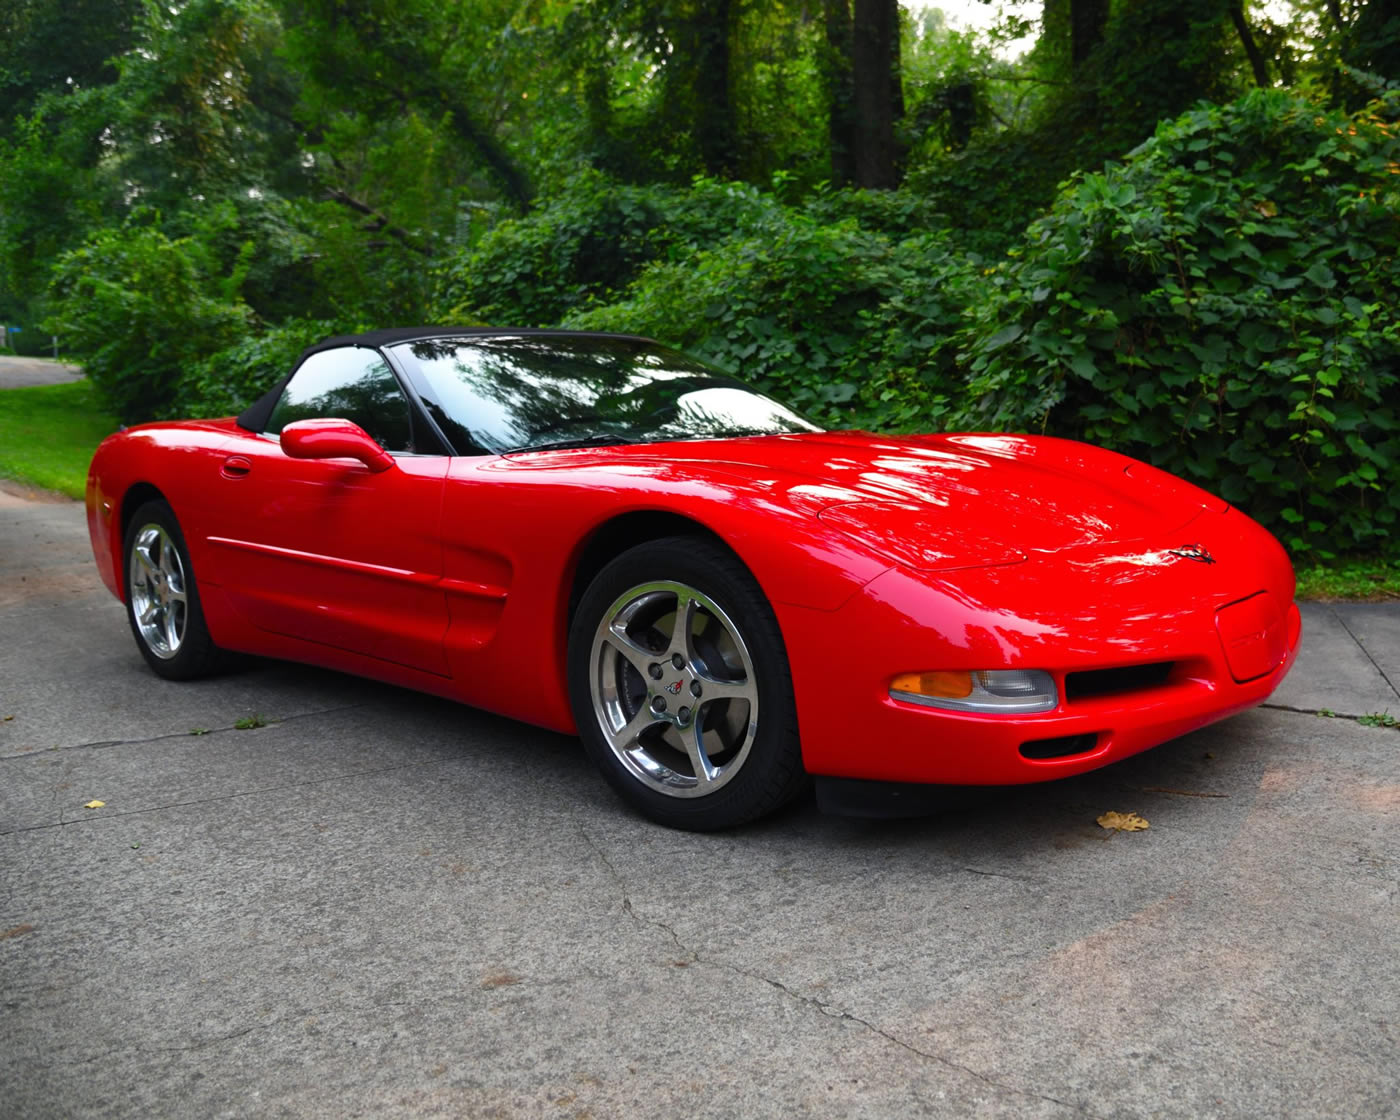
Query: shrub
<point x="1224" y="305"/>
<point x="586" y="246"/>
<point x="837" y="320"/>
<point x="227" y="382"/>
<point x="131" y="305"/>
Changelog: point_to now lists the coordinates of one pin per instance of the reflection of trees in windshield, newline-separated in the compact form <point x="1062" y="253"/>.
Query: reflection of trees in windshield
<point x="503" y="393"/>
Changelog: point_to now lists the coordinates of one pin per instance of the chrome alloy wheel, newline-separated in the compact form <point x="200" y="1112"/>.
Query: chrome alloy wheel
<point x="159" y="600"/>
<point x="674" y="689"/>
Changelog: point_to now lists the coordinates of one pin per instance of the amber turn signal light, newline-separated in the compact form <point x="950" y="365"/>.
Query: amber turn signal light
<point x="950" y="684"/>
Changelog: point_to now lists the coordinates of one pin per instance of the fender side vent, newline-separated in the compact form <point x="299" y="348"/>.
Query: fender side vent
<point x="1061" y="747"/>
<point x="1106" y="682"/>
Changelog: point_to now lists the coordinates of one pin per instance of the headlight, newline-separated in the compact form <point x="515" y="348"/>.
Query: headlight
<point x="1009" y="691"/>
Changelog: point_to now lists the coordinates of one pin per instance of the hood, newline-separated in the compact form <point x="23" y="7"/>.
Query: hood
<point x="945" y="501"/>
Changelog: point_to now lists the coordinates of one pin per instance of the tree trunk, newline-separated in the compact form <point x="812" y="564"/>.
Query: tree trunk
<point x="1087" y="19"/>
<point x="714" y="108"/>
<point x="840" y="91"/>
<point x="879" y="99"/>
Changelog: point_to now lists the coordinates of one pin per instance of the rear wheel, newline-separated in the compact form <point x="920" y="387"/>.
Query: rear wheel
<point x="681" y="689"/>
<point x="162" y="598"/>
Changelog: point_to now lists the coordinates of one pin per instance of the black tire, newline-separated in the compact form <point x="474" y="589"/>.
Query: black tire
<point x="679" y="756"/>
<point x="162" y="597"/>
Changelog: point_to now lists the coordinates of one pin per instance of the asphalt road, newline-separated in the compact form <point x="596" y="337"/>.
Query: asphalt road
<point x="381" y="904"/>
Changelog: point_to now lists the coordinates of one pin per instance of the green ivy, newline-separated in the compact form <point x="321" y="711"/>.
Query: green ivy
<point x="229" y="380"/>
<point x="586" y="245"/>
<point x="134" y="304"/>
<point x="1224" y="305"/>
<point x="838" y="320"/>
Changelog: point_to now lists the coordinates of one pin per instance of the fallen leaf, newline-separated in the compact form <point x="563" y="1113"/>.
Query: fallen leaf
<point x="1122" y="822"/>
<point x="502" y="978"/>
<point x="94" y="804"/>
<point x="16" y="931"/>
<point x="6" y="719"/>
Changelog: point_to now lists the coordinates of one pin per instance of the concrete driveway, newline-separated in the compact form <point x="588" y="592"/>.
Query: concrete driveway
<point x="380" y="904"/>
<point x="18" y="373"/>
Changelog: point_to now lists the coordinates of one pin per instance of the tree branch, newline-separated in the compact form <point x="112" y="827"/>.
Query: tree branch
<point x="378" y="222"/>
<point x="1257" y="62"/>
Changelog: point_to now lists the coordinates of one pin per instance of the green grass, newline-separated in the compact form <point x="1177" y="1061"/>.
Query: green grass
<point x="1367" y="578"/>
<point x="48" y="434"/>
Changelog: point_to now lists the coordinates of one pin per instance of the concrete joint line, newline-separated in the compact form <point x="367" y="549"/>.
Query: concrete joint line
<point x="91" y="818"/>
<point x="101" y="743"/>
<point x="1390" y="683"/>
<point x="1324" y="713"/>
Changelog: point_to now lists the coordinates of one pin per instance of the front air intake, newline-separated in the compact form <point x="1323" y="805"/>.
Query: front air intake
<point x="1061" y="747"/>
<point x="1107" y="682"/>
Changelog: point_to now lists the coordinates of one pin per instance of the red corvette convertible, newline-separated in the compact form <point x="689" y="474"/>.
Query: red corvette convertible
<point x="595" y="534"/>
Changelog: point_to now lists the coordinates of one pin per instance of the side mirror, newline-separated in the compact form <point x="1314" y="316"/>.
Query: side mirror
<point x="334" y="439"/>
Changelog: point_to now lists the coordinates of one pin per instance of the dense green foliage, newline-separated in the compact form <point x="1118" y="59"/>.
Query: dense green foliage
<point x="1224" y="304"/>
<point x="1109" y="237"/>
<point x="586" y="244"/>
<point x="842" y="321"/>
<point x="228" y="380"/>
<point x="133" y="302"/>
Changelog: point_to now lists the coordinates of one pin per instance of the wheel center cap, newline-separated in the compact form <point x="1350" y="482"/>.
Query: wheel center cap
<point x="673" y="700"/>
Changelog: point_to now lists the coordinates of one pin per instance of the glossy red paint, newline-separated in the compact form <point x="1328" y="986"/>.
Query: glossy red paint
<point x="881" y="556"/>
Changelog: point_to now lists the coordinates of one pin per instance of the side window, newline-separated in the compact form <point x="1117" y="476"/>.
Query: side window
<point x="352" y="384"/>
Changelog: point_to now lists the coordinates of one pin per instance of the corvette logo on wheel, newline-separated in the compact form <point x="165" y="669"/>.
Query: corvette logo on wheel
<point x="1193" y="552"/>
<point x="674" y="687"/>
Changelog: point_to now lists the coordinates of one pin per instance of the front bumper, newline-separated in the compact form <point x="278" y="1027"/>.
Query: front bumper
<point x="843" y="661"/>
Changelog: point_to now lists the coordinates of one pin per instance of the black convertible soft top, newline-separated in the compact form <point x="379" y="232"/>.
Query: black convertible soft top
<point x="254" y="418"/>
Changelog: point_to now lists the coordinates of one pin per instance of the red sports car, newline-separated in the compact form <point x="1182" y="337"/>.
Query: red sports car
<point x="596" y="534"/>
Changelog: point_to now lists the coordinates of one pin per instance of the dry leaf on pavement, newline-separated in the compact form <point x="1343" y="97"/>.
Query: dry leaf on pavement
<point x="94" y="804"/>
<point x="1122" y="822"/>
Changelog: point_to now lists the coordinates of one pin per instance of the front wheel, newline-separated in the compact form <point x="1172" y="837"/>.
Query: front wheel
<point x="680" y="686"/>
<point x="162" y="598"/>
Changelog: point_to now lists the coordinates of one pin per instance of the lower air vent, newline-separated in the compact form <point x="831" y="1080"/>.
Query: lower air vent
<point x="1062" y="747"/>
<point x="1106" y="682"/>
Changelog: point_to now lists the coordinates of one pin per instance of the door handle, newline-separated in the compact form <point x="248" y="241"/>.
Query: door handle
<point x="236" y="466"/>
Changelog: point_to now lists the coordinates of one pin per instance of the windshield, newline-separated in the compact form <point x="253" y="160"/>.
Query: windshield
<point x="523" y="392"/>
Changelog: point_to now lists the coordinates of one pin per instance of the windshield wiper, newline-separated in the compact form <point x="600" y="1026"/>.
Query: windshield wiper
<point x="564" y="444"/>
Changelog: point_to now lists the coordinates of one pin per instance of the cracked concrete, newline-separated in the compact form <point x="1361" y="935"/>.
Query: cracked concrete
<point x="382" y="904"/>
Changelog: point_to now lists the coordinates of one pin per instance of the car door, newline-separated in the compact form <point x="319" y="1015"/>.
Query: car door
<point x="325" y="550"/>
